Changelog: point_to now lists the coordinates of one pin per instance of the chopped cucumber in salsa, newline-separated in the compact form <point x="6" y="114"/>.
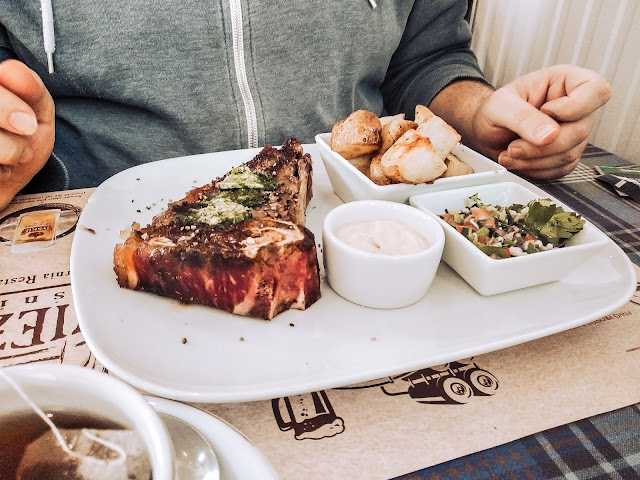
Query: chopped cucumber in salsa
<point x="502" y="232"/>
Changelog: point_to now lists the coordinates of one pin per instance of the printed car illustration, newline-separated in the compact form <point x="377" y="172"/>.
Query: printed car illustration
<point x="455" y="382"/>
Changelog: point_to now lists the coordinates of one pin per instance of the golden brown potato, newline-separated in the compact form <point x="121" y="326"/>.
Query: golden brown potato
<point x="423" y="114"/>
<point x="394" y="130"/>
<point x="392" y="149"/>
<point x="358" y="134"/>
<point x="376" y="174"/>
<point x="412" y="159"/>
<point x="361" y="163"/>
<point x="456" y="167"/>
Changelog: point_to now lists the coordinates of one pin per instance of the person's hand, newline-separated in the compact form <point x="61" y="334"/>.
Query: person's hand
<point x="27" y="127"/>
<point x="539" y="123"/>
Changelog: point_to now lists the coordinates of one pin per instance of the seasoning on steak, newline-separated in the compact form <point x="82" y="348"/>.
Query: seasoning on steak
<point x="238" y="244"/>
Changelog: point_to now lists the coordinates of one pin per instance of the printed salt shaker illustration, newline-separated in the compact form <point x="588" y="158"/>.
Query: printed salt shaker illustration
<point x="636" y="296"/>
<point x="309" y="415"/>
<point x="37" y="228"/>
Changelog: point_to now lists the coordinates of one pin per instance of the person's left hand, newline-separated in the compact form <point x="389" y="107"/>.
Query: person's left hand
<point x="539" y="123"/>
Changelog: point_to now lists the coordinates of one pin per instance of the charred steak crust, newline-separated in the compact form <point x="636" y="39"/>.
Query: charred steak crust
<point x="258" y="267"/>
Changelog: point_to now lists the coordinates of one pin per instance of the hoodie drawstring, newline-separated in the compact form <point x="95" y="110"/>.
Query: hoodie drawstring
<point x="48" y="34"/>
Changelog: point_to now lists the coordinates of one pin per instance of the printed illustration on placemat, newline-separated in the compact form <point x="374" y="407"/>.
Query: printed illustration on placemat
<point x="310" y="416"/>
<point x="39" y="325"/>
<point x="452" y="383"/>
<point x="37" y="227"/>
<point x="636" y="296"/>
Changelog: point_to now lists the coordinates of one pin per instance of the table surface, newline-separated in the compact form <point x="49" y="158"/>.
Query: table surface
<point x="605" y="446"/>
<point x="600" y="447"/>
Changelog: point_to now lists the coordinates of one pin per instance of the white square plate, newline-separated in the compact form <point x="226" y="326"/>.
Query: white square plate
<point x="490" y="276"/>
<point x="351" y="184"/>
<point x="139" y="336"/>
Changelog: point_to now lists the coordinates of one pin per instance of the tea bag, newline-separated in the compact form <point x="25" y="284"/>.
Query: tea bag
<point x="81" y="454"/>
<point x="97" y="455"/>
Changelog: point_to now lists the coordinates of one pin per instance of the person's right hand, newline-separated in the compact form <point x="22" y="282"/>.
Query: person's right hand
<point x="27" y="127"/>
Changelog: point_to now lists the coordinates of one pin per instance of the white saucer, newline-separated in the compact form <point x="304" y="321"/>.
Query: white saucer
<point x="238" y="458"/>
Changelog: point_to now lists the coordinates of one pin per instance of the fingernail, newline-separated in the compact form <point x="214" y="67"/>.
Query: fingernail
<point x="543" y="131"/>
<point x="516" y="152"/>
<point x="23" y="122"/>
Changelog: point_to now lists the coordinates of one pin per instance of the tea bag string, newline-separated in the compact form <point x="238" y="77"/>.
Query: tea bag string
<point x="63" y="444"/>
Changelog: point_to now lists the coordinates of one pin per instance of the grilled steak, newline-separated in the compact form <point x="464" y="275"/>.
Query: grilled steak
<point x="238" y="244"/>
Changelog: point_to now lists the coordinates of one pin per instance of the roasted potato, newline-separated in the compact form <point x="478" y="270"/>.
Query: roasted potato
<point x="412" y="159"/>
<point x="393" y="130"/>
<point x="442" y="135"/>
<point x="422" y="114"/>
<point x="358" y="134"/>
<point x="456" y="167"/>
<point x="392" y="149"/>
<point x="361" y="163"/>
<point x="376" y="173"/>
<point x="390" y="118"/>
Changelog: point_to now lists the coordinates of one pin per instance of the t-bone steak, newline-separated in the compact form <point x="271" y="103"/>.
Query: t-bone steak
<point x="238" y="244"/>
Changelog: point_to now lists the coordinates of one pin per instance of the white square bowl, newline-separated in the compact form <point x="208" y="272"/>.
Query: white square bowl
<point x="351" y="184"/>
<point x="489" y="276"/>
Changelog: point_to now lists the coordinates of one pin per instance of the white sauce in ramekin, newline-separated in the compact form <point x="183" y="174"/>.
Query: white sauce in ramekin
<point x="387" y="237"/>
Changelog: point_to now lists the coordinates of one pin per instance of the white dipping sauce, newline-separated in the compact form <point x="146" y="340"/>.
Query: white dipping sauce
<point x="387" y="237"/>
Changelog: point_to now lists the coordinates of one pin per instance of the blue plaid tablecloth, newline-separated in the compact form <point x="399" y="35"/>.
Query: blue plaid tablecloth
<point x="605" y="446"/>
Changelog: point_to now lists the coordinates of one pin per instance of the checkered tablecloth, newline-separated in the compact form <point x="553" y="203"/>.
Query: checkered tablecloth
<point x="605" y="446"/>
<point x="618" y="217"/>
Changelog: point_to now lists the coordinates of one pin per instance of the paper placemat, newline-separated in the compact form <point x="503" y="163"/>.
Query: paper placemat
<point x="377" y="430"/>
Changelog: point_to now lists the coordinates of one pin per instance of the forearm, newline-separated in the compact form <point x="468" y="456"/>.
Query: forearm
<point x="458" y="104"/>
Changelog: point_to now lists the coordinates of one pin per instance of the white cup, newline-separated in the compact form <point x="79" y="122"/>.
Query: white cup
<point x="55" y="387"/>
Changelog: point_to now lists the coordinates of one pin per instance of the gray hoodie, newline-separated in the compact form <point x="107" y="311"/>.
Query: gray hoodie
<point x="137" y="81"/>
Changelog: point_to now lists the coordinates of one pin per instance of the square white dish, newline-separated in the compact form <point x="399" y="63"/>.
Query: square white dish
<point x="226" y="358"/>
<point x="489" y="276"/>
<point x="351" y="184"/>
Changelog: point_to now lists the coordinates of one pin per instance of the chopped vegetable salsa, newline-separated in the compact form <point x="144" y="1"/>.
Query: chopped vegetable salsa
<point x="502" y="232"/>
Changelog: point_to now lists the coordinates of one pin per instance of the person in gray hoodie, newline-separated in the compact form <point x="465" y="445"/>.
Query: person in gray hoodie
<point x="120" y="83"/>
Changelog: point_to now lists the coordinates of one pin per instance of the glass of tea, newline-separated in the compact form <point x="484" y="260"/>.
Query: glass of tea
<point x="94" y="409"/>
